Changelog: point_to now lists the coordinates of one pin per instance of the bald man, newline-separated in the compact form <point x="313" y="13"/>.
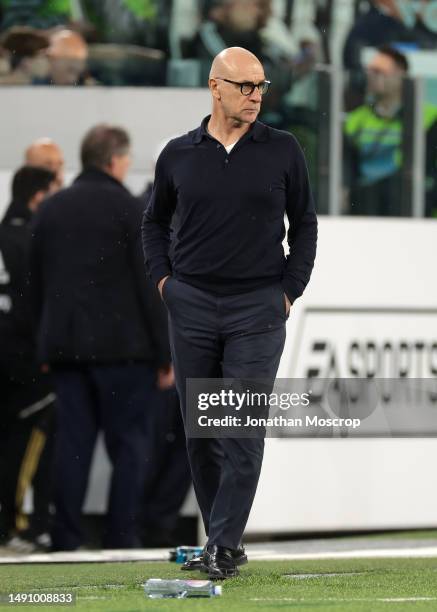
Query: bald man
<point x="44" y="153"/>
<point x="228" y="286"/>
<point x="67" y="55"/>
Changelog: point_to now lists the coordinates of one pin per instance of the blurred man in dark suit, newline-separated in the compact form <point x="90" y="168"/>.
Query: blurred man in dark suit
<point x="103" y="331"/>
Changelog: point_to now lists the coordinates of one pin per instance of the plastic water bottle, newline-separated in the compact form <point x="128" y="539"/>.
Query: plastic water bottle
<point x="157" y="588"/>
<point x="186" y="553"/>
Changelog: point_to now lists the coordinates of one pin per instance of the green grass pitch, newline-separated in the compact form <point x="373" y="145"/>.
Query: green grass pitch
<point x="359" y="585"/>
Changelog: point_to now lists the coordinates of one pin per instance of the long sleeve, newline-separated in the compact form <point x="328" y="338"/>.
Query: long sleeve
<point x="155" y="314"/>
<point x="156" y="225"/>
<point x="302" y="232"/>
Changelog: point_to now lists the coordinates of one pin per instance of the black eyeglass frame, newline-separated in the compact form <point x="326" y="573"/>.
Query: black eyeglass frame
<point x="252" y="85"/>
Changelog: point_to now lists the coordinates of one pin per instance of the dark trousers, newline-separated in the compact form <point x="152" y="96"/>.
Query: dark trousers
<point x="238" y="336"/>
<point x="26" y="439"/>
<point x="114" y="399"/>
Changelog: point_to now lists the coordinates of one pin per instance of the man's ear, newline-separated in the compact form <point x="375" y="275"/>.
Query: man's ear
<point x="213" y="86"/>
<point x="109" y="168"/>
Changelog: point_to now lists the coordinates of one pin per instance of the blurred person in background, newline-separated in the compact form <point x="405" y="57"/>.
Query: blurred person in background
<point x="252" y="24"/>
<point x="227" y="23"/>
<point x="275" y="30"/>
<point x="26" y="424"/>
<point x="44" y="153"/>
<point x="103" y="331"/>
<point x="373" y="140"/>
<point x="387" y="23"/>
<point x="26" y="48"/>
<point x="67" y="55"/>
<point x="301" y="46"/>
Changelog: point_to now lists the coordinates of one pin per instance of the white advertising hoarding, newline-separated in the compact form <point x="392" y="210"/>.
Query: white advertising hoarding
<point x="370" y="309"/>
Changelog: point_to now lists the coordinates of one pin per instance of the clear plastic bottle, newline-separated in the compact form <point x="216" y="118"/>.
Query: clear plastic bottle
<point x="158" y="588"/>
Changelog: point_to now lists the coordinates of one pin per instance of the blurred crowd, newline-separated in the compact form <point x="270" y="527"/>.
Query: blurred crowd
<point x="83" y="350"/>
<point x="144" y="42"/>
<point x="151" y="42"/>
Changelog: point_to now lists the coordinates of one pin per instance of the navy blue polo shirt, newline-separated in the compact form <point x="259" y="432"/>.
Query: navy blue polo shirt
<point x="230" y="212"/>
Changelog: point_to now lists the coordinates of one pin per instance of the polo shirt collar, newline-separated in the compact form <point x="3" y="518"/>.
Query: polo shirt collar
<point x="258" y="132"/>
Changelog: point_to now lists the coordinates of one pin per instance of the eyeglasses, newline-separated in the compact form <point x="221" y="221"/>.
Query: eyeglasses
<point x="248" y="88"/>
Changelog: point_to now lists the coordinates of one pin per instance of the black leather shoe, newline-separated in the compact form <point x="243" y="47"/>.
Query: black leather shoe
<point x="220" y="563"/>
<point x="240" y="556"/>
<point x="198" y="564"/>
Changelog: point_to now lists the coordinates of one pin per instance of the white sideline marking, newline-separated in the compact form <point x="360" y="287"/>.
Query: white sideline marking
<point x="372" y="553"/>
<point x="309" y="600"/>
<point x="397" y="599"/>
<point x="327" y="575"/>
<point x="162" y="554"/>
<point x="105" y="556"/>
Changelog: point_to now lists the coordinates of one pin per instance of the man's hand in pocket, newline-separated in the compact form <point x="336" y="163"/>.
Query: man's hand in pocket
<point x="287" y="305"/>
<point x="161" y="284"/>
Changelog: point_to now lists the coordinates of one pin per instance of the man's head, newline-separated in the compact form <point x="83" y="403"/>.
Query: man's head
<point x="389" y="7"/>
<point x="26" y="47"/>
<point x="266" y="11"/>
<point x="242" y="15"/>
<point x="385" y="73"/>
<point x="235" y="15"/>
<point x="244" y="69"/>
<point x="44" y="153"/>
<point x="30" y="186"/>
<point x="67" y="54"/>
<point x="107" y="148"/>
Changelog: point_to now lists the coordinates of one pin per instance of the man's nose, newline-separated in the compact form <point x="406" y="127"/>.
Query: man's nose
<point x="255" y="96"/>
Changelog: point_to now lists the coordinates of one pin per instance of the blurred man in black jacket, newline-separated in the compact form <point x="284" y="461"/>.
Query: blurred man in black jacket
<point x="25" y="393"/>
<point x="102" y="330"/>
